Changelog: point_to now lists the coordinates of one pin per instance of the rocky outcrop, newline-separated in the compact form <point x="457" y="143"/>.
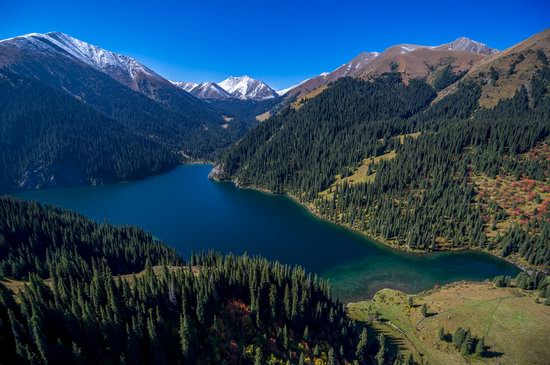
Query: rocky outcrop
<point x="218" y="173"/>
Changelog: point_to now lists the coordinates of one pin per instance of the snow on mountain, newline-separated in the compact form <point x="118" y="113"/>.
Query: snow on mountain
<point x="118" y="66"/>
<point x="123" y="69"/>
<point x="284" y="91"/>
<point x="209" y="90"/>
<point x="366" y="61"/>
<point x="247" y="88"/>
<point x="187" y="86"/>
<point x="406" y="48"/>
<point x="244" y="88"/>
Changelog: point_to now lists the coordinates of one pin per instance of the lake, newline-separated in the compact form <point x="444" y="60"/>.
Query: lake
<point x="192" y="213"/>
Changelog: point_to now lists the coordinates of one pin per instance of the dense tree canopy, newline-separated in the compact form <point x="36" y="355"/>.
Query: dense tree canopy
<point x="51" y="139"/>
<point x="81" y="304"/>
<point x="422" y="195"/>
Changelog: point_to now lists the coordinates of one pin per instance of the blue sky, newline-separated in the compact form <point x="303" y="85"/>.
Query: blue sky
<point x="281" y="42"/>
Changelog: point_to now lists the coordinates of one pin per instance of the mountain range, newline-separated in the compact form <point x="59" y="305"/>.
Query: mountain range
<point x="131" y="97"/>
<point x="423" y="148"/>
<point x="412" y="60"/>
<point x="184" y="121"/>
<point x="243" y="88"/>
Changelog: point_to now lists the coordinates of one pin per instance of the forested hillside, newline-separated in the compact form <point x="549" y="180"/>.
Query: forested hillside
<point x="83" y="123"/>
<point x="50" y="139"/>
<point x="81" y="304"/>
<point x="379" y="158"/>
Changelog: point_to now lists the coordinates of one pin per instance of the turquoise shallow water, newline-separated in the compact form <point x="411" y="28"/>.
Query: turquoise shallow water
<point x="186" y="210"/>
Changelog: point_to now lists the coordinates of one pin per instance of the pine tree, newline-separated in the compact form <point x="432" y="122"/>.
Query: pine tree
<point x="185" y="336"/>
<point x="273" y="301"/>
<point x="467" y="346"/>
<point x="302" y="360"/>
<point x="458" y="337"/>
<point x="285" y="337"/>
<point x="331" y="360"/>
<point x="361" y="349"/>
<point x="424" y="310"/>
<point x="381" y="354"/>
<point x="258" y="357"/>
<point x="306" y="334"/>
<point x="480" y="347"/>
<point x="441" y="333"/>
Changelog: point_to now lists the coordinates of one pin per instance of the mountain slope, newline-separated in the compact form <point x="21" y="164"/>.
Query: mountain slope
<point x="465" y="44"/>
<point x="50" y="139"/>
<point x="381" y="157"/>
<point x="74" y="309"/>
<point x="245" y="87"/>
<point x="419" y="61"/>
<point x="123" y="69"/>
<point x="347" y="69"/>
<point x="412" y="61"/>
<point x="122" y="89"/>
<point x="186" y="86"/>
<point x="503" y="73"/>
<point x="205" y="90"/>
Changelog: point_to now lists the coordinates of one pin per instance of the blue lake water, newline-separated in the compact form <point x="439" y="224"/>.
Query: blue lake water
<point x="186" y="210"/>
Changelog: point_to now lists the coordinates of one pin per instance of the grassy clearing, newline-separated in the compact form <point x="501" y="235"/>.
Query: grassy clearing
<point x="310" y="95"/>
<point x="16" y="286"/>
<point x="402" y="137"/>
<point x="263" y="117"/>
<point x="515" y="326"/>
<point x="360" y="175"/>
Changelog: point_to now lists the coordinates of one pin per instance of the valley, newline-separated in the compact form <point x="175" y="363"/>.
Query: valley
<point x="444" y="189"/>
<point x="392" y="211"/>
<point x="192" y="214"/>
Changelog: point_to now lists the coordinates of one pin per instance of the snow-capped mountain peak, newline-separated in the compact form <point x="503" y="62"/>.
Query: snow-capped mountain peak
<point x="210" y="90"/>
<point x="122" y="68"/>
<point x="245" y="87"/>
<point x="204" y="90"/>
<point x="187" y="86"/>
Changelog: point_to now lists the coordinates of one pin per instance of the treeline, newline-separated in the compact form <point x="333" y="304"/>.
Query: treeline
<point x="423" y="198"/>
<point x="51" y="139"/>
<point x="533" y="280"/>
<point x="211" y="309"/>
<point x="234" y="309"/>
<point x="41" y="240"/>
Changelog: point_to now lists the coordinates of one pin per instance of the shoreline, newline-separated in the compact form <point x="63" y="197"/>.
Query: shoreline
<point x="307" y="206"/>
<point x="15" y="192"/>
<point x="380" y="241"/>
